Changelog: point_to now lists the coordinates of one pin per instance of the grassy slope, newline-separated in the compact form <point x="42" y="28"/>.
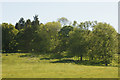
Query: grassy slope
<point x="25" y="67"/>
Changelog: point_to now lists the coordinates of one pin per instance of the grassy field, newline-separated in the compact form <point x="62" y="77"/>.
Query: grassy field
<point x="14" y="66"/>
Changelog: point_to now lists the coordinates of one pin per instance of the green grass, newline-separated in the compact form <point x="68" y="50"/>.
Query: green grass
<point x="14" y="66"/>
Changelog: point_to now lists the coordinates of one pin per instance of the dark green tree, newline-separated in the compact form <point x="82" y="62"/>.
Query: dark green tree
<point x="78" y="43"/>
<point x="41" y="41"/>
<point x="8" y="34"/>
<point x="63" y="35"/>
<point x="27" y="34"/>
<point x="21" y="24"/>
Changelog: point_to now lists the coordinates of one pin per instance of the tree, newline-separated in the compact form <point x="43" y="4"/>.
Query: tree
<point x="24" y="38"/>
<point x="63" y="36"/>
<point x="21" y="24"/>
<point x="78" y="43"/>
<point x="52" y="29"/>
<point x="8" y="34"/>
<point x="41" y="41"/>
<point x="87" y="25"/>
<point x="27" y="34"/>
<point x="105" y="41"/>
<point x="28" y="23"/>
<point x="64" y="21"/>
<point x="93" y="49"/>
<point x="36" y="20"/>
<point x="118" y="43"/>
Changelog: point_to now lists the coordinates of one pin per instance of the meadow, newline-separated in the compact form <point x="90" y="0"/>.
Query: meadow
<point x="20" y="65"/>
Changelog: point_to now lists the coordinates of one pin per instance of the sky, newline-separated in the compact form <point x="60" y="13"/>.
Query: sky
<point x="51" y="11"/>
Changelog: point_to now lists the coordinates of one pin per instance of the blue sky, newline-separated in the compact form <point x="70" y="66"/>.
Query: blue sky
<point x="50" y="11"/>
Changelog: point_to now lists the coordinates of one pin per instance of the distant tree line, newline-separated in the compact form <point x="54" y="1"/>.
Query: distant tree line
<point x="96" y="41"/>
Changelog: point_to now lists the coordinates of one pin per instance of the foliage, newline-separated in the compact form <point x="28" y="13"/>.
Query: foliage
<point x="105" y="41"/>
<point x="8" y="34"/>
<point x="40" y="42"/>
<point x="63" y="36"/>
<point x="20" y="24"/>
<point x="64" y="21"/>
<point x="78" y="43"/>
<point x="52" y="29"/>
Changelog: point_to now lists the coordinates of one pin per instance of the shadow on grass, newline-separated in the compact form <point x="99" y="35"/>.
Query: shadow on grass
<point x="56" y="57"/>
<point x="27" y="55"/>
<point x="64" y="61"/>
<point x="84" y="62"/>
<point x="45" y="58"/>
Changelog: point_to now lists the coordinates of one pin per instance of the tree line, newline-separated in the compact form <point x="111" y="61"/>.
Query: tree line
<point x="91" y="39"/>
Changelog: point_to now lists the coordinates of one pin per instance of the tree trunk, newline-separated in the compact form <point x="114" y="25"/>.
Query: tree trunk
<point x="81" y="58"/>
<point x="106" y="64"/>
<point x="92" y="58"/>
